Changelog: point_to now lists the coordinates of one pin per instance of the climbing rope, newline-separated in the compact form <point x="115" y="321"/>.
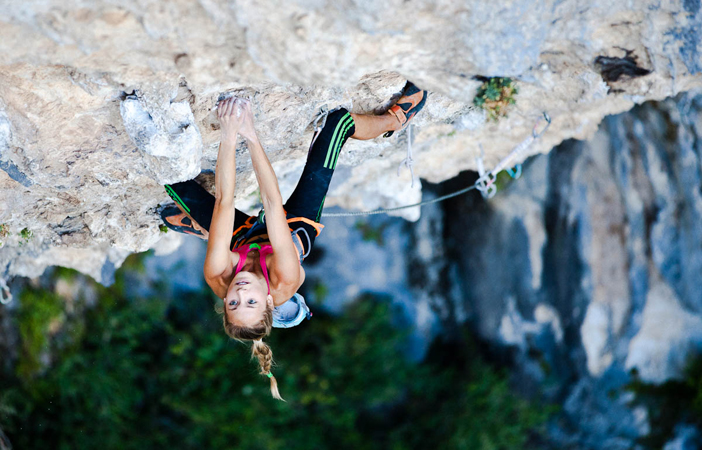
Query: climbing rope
<point x="485" y="183"/>
<point x="5" y="294"/>
<point x="400" y="208"/>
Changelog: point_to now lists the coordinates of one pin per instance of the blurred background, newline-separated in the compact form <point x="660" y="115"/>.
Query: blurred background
<point x="563" y="313"/>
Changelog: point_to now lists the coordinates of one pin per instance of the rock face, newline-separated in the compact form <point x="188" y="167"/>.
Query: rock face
<point x="100" y="103"/>
<point x="590" y="266"/>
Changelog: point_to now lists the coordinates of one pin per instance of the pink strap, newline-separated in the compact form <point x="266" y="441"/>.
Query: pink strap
<point x="266" y="249"/>
<point x="262" y="251"/>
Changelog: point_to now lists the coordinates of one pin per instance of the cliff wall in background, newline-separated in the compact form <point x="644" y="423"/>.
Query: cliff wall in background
<point x="589" y="267"/>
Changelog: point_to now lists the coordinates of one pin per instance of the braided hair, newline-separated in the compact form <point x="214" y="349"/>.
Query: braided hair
<point x="259" y="349"/>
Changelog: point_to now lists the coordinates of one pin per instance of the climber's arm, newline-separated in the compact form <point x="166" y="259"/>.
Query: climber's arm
<point x="218" y="260"/>
<point x="286" y="266"/>
<point x="267" y="181"/>
<point x="285" y="270"/>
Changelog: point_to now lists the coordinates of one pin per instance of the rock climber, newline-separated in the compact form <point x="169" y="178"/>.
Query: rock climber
<point x="257" y="269"/>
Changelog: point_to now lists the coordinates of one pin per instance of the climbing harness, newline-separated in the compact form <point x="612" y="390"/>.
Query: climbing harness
<point x="298" y="244"/>
<point x="408" y="161"/>
<point x="485" y="183"/>
<point x="5" y="294"/>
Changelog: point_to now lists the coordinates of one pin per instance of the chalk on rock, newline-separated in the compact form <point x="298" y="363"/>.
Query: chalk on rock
<point x="168" y="138"/>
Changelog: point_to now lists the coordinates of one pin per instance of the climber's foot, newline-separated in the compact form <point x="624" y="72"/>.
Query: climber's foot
<point x="178" y="220"/>
<point x="411" y="102"/>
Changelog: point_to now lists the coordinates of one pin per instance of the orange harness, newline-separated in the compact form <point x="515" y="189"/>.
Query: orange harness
<point x="249" y="233"/>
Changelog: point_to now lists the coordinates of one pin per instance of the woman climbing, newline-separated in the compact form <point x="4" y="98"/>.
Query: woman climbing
<point x="257" y="269"/>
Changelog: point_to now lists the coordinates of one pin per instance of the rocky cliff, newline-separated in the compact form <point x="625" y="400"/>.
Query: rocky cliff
<point x="102" y="102"/>
<point x="588" y="269"/>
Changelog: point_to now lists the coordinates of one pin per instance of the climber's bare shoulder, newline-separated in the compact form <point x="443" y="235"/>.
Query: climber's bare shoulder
<point x="283" y="289"/>
<point x="220" y="274"/>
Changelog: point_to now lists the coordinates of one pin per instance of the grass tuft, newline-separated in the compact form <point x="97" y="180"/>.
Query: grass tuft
<point x="495" y="96"/>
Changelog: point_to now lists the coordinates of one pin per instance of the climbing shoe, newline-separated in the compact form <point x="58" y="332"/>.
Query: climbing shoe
<point x="177" y="220"/>
<point x="411" y="102"/>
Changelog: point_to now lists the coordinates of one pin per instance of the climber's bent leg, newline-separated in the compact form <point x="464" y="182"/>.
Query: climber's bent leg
<point x="370" y="126"/>
<point x="198" y="204"/>
<point x="307" y="200"/>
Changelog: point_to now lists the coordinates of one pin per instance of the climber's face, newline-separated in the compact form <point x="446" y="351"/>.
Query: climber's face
<point x="247" y="299"/>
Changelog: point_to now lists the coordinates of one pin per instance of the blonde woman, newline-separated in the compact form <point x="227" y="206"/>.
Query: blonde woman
<point x="254" y="264"/>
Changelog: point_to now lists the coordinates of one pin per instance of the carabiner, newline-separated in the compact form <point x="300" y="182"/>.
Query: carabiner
<point x="548" y="124"/>
<point x="516" y="172"/>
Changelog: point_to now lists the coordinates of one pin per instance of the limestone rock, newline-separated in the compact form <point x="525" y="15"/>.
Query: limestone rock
<point x="171" y="143"/>
<point x="668" y="334"/>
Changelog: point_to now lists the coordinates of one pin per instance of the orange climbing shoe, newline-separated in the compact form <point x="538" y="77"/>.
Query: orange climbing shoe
<point x="411" y="102"/>
<point x="177" y="220"/>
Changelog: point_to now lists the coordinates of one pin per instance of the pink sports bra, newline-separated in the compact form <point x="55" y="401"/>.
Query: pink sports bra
<point x="262" y="251"/>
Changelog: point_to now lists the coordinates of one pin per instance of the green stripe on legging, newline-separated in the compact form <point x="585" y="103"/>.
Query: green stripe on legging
<point x="177" y="198"/>
<point x="330" y="150"/>
<point x="338" y="144"/>
<point x="319" y="213"/>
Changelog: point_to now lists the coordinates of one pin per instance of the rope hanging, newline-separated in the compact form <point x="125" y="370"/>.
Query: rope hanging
<point x="485" y="184"/>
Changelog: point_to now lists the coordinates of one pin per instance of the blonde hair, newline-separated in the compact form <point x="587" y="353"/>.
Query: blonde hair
<point x="259" y="349"/>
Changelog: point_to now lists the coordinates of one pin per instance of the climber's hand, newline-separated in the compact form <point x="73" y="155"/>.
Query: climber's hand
<point x="230" y="114"/>
<point x="247" y="129"/>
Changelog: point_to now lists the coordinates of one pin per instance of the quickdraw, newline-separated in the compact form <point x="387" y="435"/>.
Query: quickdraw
<point x="486" y="182"/>
<point x="322" y="115"/>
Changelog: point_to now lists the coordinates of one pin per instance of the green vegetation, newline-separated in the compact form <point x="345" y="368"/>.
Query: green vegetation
<point x="495" y="95"/>
<point x="320" y="292"/>
<point x="670" y="403"/>
<point x="4" y="232"/>
<point x="26" y="234"/>
<point x="159" y="373"/>
<point x="370" y="233"/>
<point x="163" y="229"/>
<point x="39" y="310"/>
<point x="503" y="180"/>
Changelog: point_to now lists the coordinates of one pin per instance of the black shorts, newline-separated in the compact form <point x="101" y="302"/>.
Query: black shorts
<point x="307" y="200"/>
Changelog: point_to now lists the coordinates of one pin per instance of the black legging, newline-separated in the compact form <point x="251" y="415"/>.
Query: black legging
<point x="307" y="200"/>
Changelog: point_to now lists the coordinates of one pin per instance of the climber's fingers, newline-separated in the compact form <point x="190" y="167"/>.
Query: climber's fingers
<point x="233" y="106"/>
<point x="221" y="106"/>
<point x="228" y="107"/>
<point x="245" y="106"/>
